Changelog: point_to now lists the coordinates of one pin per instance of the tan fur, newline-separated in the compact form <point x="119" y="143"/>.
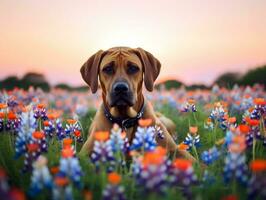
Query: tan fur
<point x="149" y="70"/>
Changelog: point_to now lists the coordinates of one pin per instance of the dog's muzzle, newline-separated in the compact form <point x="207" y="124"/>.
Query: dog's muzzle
<point x="121" y="94"/>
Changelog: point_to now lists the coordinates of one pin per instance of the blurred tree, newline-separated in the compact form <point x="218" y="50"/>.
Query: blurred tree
<point x="169" y="84"/>
<point x="197" y="86"/>
<point x="10" y="83"/>
<point x="227" y="79"/>
<point x="253" y="76"/>
<point x="63" y="86"/>
<point x="36" y="80"/>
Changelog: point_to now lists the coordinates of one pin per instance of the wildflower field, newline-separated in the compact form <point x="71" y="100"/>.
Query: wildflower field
<point x="41" y="135"/>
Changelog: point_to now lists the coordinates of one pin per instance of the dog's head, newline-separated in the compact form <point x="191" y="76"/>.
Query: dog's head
<point x="121" y="71"/>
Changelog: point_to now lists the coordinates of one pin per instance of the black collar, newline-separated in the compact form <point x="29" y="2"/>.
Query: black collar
<point x="124" y="123"/>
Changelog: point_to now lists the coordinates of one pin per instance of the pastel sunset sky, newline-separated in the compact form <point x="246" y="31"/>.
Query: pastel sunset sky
<point x="194" y="40"/>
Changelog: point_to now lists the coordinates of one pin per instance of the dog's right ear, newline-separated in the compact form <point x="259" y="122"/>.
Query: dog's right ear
<point x="89" y="70"/>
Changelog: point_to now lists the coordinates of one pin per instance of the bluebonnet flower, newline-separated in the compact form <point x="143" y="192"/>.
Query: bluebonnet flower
<point x="102" y="153"/>
<point x="73" y="130"/>
<point x="40" y="112"/>
<point x="235" y="161"/>
<point x="49" y="128"/>
<point x="62" y="188"/>
<point x="13" y="122"/>
<point x="189" y="106"/>
<point x="69" y="165"/>
<point x="118" y="140"/>
<point x="113" y="191"/>
<point x="28" y="126"/>
<point x="257" y="183"/>
<point x="60" y="131"/>
<point x="209" y="124"/>
<point x="182" y="174"/>
<point x="39" y="138"/>
<point x="259" y="108"/>
<point x="218" y="115"/>
<point x="41" y="177"/>
<point x="192" y="138"/>
<point x="145" y="136"/>
<point x="33" y="152"/>
<point x="150" y="171"/>
<point x="210" y="156"/>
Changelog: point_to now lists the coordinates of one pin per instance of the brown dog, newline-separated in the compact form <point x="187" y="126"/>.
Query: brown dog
<point x="121" y="71"/>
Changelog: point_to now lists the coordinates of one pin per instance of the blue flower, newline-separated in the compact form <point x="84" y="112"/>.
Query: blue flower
<point x="210" y="156"/>
<point x="70" y="167"/>
<point x="41" y="177"/>
<point x="192" y="140"/>
<point x="144" y="139"/>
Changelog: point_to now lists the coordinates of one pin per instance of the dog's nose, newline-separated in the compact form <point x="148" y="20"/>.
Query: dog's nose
<point x="120" y="87"/>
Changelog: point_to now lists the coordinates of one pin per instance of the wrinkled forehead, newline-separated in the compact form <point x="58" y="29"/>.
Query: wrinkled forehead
<point x="120" y="58"/>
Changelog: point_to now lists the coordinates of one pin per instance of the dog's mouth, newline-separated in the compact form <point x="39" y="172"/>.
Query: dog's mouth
<point x="121" y="100"/>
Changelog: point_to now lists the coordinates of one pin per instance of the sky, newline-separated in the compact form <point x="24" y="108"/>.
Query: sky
<point x="194" y="40"/>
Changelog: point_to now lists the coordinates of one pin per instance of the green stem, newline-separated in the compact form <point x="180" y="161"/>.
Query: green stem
<point x="214" y="131"/>
<point x="254" y="148"/>
<point x="194" y="115"/>
<point x="196" y="153"/>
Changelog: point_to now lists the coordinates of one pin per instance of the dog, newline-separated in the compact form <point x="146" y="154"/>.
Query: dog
<point x="122" y="72"/>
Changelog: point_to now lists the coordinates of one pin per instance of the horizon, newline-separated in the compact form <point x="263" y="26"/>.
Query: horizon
<point x="195" y="41"/>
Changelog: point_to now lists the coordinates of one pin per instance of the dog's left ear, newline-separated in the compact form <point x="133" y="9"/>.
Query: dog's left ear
<point x="151" y="66"/>
<point x="89" y="70"/>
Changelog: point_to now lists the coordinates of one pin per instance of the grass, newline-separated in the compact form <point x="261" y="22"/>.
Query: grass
<point x="95" y="182"/>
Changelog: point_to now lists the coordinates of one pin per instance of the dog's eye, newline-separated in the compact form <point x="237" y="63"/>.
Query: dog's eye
<point x="132" y="69"/>
<point x="109" y="69"/>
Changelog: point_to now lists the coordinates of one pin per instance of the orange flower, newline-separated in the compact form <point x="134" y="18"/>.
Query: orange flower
<point x="77" y="133"/>
<point x="3" y="105"/>
<point x="114" y="178"/>
<point x="244" y="128"/>
<point x="67" y="142"/>
<point x="101" y="135"/>
<point x="258" y="165"/>
<point x="11" y="116"/>
<point x="71" y="121"/>
<point x="191" y="101"/>
<point x="253" y="122"/>
<point x="259" y="101"/>
<point x="193" y="130"/>
<point x="145" y="122"/>
<point x="123" y="134"/>
<point x="183" y="147"/>
<point x="41" y="105"/>
<point x="38" y="135"/>
<point x="2" y="115"/>
<point x="46" y="123"/>
<point x="182" y="164"/>
<point x="32" y="147"/>
<point x="54" y="170"/>
<point x="238" y="144"/>
<point x="154" y="158"/>
<point x="232" y="120"/>
<point x="61" y="181"/>
<point x="67" y="152"/>
<point x="53" y="114"/>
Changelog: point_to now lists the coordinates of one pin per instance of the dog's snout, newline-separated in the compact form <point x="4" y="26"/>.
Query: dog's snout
<point x="121" y="87"/>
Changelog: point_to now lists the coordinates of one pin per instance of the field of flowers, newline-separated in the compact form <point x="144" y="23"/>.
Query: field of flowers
<point x="42" y="133"/>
